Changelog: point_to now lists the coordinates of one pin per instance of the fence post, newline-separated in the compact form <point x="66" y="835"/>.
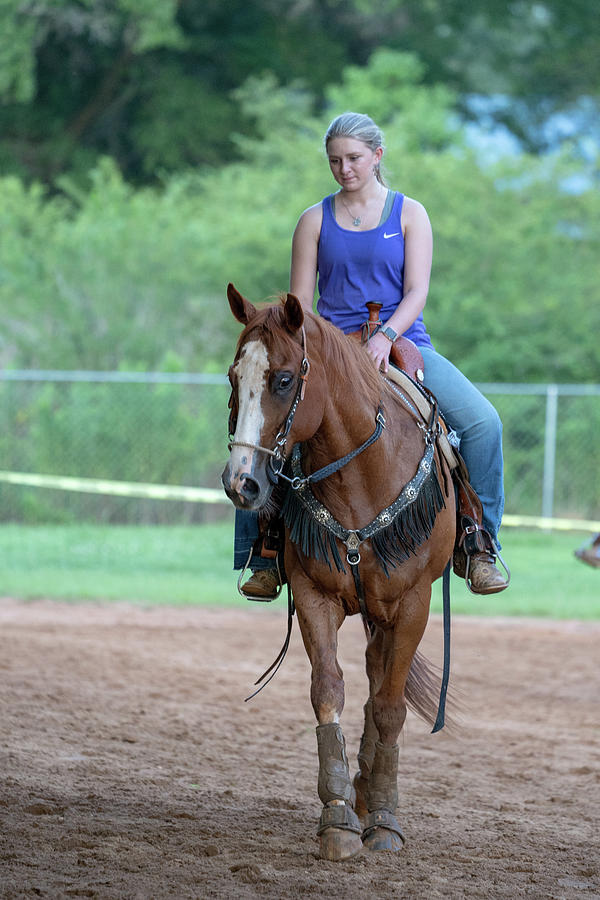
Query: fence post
<point x="549" y="451"/>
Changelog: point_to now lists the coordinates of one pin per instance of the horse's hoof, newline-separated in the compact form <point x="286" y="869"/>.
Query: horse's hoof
<point x="339" y="843"/>
<point x="383" y="839"/>
<point x="360" y="801"/>
<point x="382" y="832"/>
<point x="339" y="832"/>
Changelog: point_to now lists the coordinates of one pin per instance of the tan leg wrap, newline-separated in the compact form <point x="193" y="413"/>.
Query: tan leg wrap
<point x="334" y="774"/>
<point x="383" y="781"/>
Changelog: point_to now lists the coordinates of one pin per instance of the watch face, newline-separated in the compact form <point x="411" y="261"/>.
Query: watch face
<point x="390" y="333"/>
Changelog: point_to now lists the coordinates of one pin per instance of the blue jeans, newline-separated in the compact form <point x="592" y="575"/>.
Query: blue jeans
<point x="246" y="532"/>
<point x="479" y="429"/>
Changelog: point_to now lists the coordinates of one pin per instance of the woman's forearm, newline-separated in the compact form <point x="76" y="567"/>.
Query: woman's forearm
<point x="412" y="305"/>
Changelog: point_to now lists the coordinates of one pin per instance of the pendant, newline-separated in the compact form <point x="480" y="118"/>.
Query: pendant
<point x="356" y="222"/>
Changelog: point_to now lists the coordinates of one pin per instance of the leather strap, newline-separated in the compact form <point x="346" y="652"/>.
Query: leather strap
<point x="423" y="405"/>
<point x="281" y="655"/>
<point x="441" y="713"/>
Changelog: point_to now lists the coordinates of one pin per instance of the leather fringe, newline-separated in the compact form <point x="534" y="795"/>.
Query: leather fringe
<point x="392" y="544"/>
<point x="315" y="541"/>
<point x="412" y="527"/>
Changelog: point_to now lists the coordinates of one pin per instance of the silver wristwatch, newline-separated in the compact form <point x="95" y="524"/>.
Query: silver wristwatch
<point x="390" y="334"/>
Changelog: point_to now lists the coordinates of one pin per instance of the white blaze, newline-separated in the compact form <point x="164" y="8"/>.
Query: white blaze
<point x="251" y="370"/>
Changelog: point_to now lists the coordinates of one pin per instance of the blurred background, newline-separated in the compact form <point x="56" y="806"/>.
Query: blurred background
<point x="151" y="151"/>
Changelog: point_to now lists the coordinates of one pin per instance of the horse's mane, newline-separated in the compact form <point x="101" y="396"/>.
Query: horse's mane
<point x="345" y="359"/>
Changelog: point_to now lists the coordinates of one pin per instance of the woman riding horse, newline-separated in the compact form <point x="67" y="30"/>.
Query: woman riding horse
<point x="368" y="243"/>
<point x="370" y="524"/>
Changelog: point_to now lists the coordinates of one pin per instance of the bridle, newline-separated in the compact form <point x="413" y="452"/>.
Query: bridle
<point x="277" y="455"/>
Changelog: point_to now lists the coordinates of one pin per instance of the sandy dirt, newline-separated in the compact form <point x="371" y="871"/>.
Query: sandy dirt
<point x="132" y="768"/>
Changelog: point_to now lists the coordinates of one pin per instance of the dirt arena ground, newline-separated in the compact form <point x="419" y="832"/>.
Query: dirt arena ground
<point x="132" y="768"/>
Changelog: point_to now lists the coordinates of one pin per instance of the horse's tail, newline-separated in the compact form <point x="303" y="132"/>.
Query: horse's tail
<point x="422" y="689"/>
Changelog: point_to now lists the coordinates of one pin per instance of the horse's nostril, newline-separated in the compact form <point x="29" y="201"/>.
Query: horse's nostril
<point x="249" y="488"/>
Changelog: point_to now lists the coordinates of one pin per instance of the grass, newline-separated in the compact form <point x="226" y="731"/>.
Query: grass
<point x="192" y="565"/>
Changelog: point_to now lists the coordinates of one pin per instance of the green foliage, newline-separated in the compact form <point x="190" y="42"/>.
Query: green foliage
<point x="513" y="289"/>
<point x="113" y="279"/>
<point x="105" y="276"/>
<point x="17" y="53"/>
<point x="149" y="82"/>
<point x="392" y="89"/>
<point x="179" y="122"/>
<point x="170" y="434"/>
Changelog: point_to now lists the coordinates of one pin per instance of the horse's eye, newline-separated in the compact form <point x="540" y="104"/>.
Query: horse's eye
<point x="282" y="382"/>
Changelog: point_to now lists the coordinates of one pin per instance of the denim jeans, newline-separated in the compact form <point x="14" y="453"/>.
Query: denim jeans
<point x="246" y="532"/>
<point x="478" y="427"/>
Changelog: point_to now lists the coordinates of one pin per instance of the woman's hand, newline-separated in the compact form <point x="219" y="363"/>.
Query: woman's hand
<point x="379" y="348"/>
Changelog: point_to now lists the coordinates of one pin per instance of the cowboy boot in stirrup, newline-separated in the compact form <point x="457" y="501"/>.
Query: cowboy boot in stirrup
<point x="475" y="559"/>
<point x="475" y="551"/>
<point x="264" y="584"/>
<point x="483" y="576"/>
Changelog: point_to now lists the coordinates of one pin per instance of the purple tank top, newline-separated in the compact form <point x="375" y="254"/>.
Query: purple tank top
<point x="357" y="266"/>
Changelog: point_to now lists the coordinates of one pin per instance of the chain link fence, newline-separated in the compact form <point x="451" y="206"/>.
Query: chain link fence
<point x="142" y="429"/>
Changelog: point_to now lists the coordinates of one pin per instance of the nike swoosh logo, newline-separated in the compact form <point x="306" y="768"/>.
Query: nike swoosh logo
<point x="395" y="234"/>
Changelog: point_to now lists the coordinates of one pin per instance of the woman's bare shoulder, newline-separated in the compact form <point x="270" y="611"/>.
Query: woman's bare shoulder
<point x="311" y="219"/>
<point x="413" y="208"/>
<point x="413" y="213"/>
<point x="313" y="213"/>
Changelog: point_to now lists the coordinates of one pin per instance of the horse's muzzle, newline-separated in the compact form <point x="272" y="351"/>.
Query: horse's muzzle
<point x="244" y="489"/>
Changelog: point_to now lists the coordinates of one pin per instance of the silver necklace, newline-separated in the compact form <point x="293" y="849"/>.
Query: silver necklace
<point x="356" y="220"/>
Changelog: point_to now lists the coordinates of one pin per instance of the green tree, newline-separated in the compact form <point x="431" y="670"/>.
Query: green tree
<point x="149" y="82"/>
<point x="115" y="277"/>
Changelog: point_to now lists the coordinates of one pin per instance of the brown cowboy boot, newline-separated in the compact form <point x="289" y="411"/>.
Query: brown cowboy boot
<point x="475" y="551"/>
<point x="483" y="576"/>
<point x="264" y="584"/>
<point x="475" y="559"/>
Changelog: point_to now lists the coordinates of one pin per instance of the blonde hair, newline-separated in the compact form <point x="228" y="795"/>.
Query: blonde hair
<point x="360" y="127"/>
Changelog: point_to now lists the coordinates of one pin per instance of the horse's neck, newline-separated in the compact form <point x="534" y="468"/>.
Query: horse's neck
<point x="372" y="479"/>
<point x="347" y="422"/>
<point x="349" y="417"/>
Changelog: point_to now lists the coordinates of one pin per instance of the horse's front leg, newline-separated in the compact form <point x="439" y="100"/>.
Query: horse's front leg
<point x="370" y="735"/>
<point x="339" y="828"/>
<point x="397" y="648"/>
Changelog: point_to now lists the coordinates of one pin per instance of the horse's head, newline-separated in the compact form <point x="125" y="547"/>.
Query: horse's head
<point x="269" y="409"/>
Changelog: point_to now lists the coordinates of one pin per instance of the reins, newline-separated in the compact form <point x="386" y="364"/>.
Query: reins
<point x="298" y="481"/>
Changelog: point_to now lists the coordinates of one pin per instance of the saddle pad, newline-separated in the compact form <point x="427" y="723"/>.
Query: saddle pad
<point x="408" y="386"/>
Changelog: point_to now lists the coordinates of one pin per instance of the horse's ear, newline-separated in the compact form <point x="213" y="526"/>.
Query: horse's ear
<point x="241" y="308"/>
<point x="293" y="313"/>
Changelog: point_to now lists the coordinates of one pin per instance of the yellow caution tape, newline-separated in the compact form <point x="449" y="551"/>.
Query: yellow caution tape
<point x="211" y="495"/>
<point x="550" y="524"/>
<point x="119" y="488"/>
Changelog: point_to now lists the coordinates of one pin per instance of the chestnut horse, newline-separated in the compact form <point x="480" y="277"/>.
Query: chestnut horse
<point x="370" y="524"/>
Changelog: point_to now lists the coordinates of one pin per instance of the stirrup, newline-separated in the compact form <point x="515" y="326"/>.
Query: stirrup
<point x="496" y="553"/>
<point x="251" y="596"/>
